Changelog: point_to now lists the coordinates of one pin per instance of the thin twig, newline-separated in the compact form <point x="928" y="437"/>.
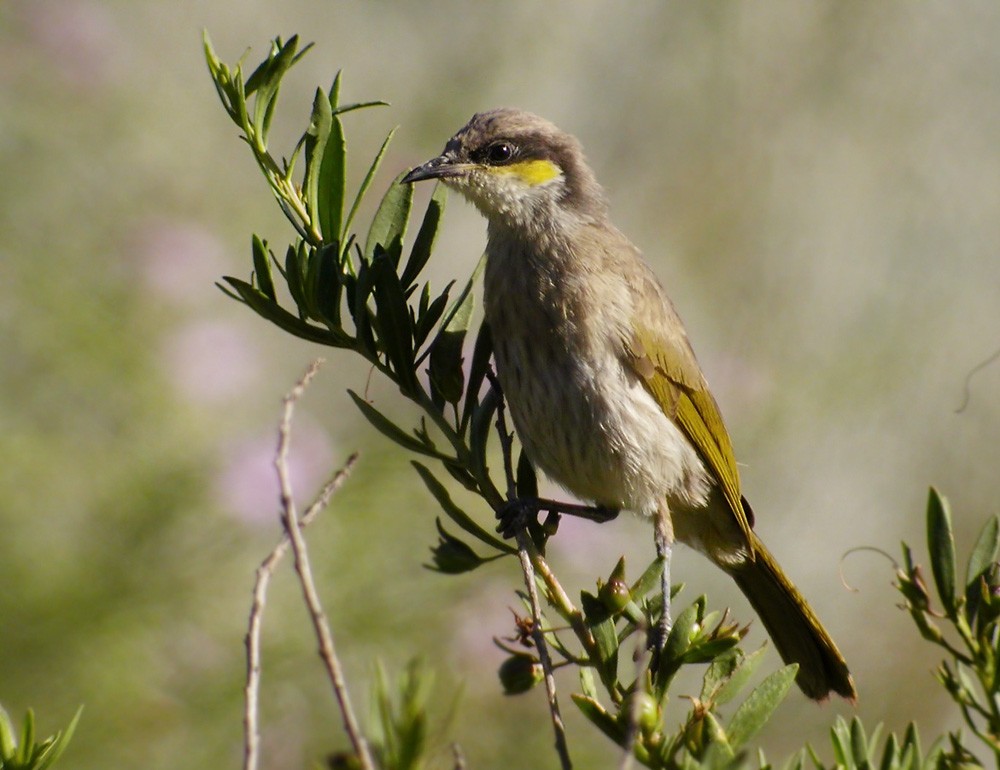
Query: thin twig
<point x="642" y="659"/>
<point x="321" y="626"/>
<point x="251" y="730"/>
<point x="525" y="551"/>
<point x="456" y="752"/>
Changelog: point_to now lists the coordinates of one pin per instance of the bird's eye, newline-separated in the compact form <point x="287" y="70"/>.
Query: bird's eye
<point x="499" y="152"/>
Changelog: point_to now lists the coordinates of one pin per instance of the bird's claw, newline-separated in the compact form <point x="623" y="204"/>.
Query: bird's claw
<point x="515" y="515"/>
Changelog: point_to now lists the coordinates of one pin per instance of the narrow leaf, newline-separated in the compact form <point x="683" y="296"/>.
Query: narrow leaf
<point x="360" y="106"/>
<point x="277" y="315"/>
<point x="941" y="546"/>
<point x="740" y="676"/>
<point x="329" y="284"/>
<point x="859" y="744"/>
<point x="317" y="140"/>
<point x="295" y="274"/>
<point x="389" y="223"/>
<point x="60" y="740"/>
<point x="757" y="709"/>
<point x="890" y="754"/>
<point x="446" y="351"/>
<point x="390" y="430"/>
<point x="527" y="480"/>
<point x="423" y="244"/>
<point x="332" y="183"/>
<point x="393" y="319"/>
<point x="481" y="353"/>
<point x="262" y="267"/>
<point x="984" y="553"/>
<point x="270" y="82"/>
<point x="334" y="94"/>
<point x="599" y="717"/>
<point x="456" y="514"/>
<point x="366" y="183"/>
<point x="430" y="315"/>
<point x="602" y="627"/>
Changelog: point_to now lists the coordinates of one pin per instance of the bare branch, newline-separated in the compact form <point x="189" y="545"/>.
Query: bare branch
<point x="525" y="551"/>
<point x="251" y="730"/>
<point x="293" y="529"/>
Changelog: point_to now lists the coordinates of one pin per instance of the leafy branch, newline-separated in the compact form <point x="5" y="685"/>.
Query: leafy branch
<point x="364" y="292"/>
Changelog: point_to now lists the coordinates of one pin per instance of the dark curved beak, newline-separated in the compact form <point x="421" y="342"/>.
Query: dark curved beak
<point x="440" y="167"/>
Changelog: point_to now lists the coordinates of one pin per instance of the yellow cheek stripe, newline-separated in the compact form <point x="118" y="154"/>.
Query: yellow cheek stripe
<point x="531" y="172"/>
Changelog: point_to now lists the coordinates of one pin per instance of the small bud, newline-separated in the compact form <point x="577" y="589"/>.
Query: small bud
<point x="519" y="673"/>
<point x="615" y="594"/>
<point x="452" y="556"/>
<point x="641" y="708"/>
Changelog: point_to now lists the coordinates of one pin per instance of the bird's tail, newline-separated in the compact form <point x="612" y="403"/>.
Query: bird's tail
<point x="793" y="626"/>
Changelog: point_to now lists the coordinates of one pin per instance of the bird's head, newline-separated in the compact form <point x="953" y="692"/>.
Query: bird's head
<point x="519" y="170"/>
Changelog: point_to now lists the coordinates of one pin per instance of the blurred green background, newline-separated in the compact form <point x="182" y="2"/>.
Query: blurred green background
<point x="818" y="185"/>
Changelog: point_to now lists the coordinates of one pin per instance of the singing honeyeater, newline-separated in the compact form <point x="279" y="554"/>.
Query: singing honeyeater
<point x="605" y="392"/>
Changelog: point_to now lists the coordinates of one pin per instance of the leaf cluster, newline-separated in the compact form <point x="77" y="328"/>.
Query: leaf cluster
<point x="26" y="754"/>
<point x="962" y="617"/>
<point x="364" y="293"/>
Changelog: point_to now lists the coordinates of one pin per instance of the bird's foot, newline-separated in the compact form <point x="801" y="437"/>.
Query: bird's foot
<point x="518" y="513"/>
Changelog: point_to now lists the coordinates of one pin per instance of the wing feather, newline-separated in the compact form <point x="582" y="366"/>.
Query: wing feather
<point x="671" y="373"/>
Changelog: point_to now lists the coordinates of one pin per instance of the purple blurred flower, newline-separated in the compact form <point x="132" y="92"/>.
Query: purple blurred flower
<point x="180" y="261"/>
<point x="247" y="486"/>
<point x="209" y="362"/>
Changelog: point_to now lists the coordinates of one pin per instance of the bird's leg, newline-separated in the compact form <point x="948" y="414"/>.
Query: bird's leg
<point x="664" y="536"/>
<point x="515" y="513"/>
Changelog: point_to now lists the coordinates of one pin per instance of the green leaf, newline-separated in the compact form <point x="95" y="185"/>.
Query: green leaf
<point x="718" y="748"/>
<point x="941" y="546"/>
<point x="390" y="430"/>
<point x="360" y="106"/>
<point x="600" y="718"/>
<point x="7" y="744"/>
<point x="423" y="244"/>
<point x="23" y="755"/>
<point x="984" y="553"/>
<point x="328" y="288"/>
<point x="859" y="744"/>
<point x="527" y="480"/>
<point x="737" y="679"/>
<point x="266" y="82"/>
<point x="678" y="641"/>
<point x="316" y="140"/>
<point x="392" y="317"/>
<point x="430" y="315"/>
<point x="446" y="351"/>
<point x="366" y="183"/>
<point x="56" y="745"/>
<point x="389" y="223"/>
<point x="757" y="709"/>
<point x="334" y="94"/>
<point x="649" y="580"/>
<point x="719" y="671"/>
<point x="456" y="514"/>
<point x="295" y="275"/>
<point x="890" y="754"/>
<point x="479" y="435"/>
<point x="358" y="305"/>
<point x="277" y="315"/>
<point x="602" y="627"/>
<point x="481" y="353"/>
<point x="332" y="183"/>
<point x="587" y="683"/>
<point x="262" y="267"/>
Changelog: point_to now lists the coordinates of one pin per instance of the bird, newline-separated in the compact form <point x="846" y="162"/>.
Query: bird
<point x="601" y="382"/>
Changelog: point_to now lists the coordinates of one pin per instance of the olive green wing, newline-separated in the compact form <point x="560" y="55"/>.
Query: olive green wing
<point x="667" y="365"/>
